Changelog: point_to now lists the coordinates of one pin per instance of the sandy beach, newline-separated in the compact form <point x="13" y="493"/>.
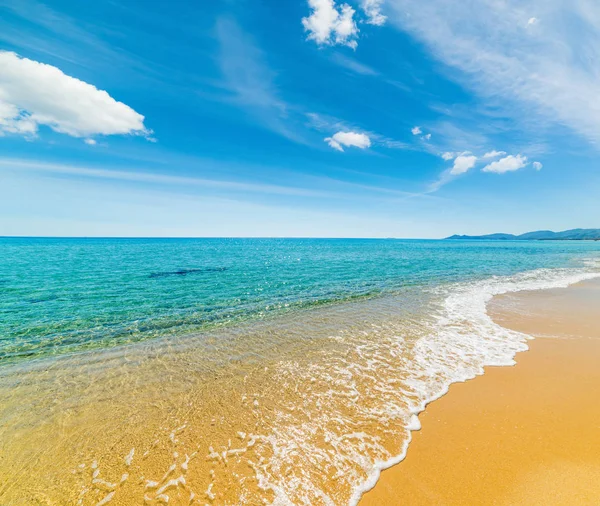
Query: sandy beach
<point x="528" y="434"/>
<point x="299" y="406"/>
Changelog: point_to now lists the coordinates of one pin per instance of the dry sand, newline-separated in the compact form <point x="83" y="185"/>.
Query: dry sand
<point x="523" y="435"/>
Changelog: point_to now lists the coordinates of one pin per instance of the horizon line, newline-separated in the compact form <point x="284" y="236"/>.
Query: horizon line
<point x="217" y="237"/>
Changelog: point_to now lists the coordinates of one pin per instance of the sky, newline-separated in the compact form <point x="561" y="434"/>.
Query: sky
<point x="303" y="118"/>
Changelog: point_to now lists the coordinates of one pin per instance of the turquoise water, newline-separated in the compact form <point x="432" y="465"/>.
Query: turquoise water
<point x="284" y="372"/>
<point x="60" y="296"/>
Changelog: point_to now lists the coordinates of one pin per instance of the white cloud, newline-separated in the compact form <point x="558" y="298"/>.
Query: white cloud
<point x="13" y="121"/>
<point x="328" y="24"/>
<point x="448" y="156"/>
<point x="90" y="142"/>
<point x="509" y="163"/>
<point x="250" y="83"/>
<point x="427" y="137"/>
<point x="372" y="9"/>
<point x="463" y="163"/>
<point x="354" y="65"/>
<point x="326" y="123"/>
<point x="537" y="166"/>
<point x="494" y="154"/>
<point x="532" y="21"/>
<point x="546" y="76"/>
<point x="334" y="144"/>
<point x="416" y="130"/>
<point x="139" y="174"/>
<point x="34" y="94"/>
<point x="348" y="139"/>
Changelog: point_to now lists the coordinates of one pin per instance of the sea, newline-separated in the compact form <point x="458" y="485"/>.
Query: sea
<point x="242" y="371"/>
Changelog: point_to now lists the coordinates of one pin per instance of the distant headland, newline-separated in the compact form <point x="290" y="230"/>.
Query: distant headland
<point x="576" y="234"/>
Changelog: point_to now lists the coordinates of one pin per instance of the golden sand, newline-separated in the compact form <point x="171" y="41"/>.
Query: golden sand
<point x="159" y="424"/>
<point x="524" y="435"/>
<point x="235" y="417"/>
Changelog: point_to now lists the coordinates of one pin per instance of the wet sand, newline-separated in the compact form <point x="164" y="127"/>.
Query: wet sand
<point x="259" y="414"/>
<point x="523" y="435"/>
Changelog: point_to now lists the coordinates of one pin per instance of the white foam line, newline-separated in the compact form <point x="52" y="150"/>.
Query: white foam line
<point x="495" y="286"/>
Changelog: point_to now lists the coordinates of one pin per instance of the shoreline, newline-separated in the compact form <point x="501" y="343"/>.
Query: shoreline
<point x="464" y="424"/>
<point x="224" y="418"/>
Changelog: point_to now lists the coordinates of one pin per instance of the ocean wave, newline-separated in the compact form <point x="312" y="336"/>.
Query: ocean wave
<point x="328" y="399"/>
<point x="464" y="340"/>
<point x="362" y="406"/>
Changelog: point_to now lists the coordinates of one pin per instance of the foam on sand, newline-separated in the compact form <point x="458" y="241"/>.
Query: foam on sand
<point x="465" y="339"/>
<point x="236" y="418"/>
<point x="524" y="435"/>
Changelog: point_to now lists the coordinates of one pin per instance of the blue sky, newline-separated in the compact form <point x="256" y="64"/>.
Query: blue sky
<point x="365" y="118"/>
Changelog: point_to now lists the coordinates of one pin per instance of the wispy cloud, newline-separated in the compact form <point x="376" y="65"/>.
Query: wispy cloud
<point x="306" y="186"/>
<point x="249" y="80"/>
<point x="141" y="176"/>
<point x="46" y="31"/>
<point x="49" y="21"/>
<point x="548" y="71"/>
<point x="353" y="65"/>
<point x="453" y="136"/>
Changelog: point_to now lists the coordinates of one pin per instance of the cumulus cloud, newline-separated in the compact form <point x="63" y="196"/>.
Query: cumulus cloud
<point x="416" y="130"/>
<point x="328" y="24"/>
<point x="494" y="154"/>
<point x="372" y="9"/>
<point x="348" y="139"/>
<point x="14" y="121"/>
<point x="427" y="137"/>
<point x="34" y="94"/>
<point x="537" y="166"/>
<point x="448" y="156"/>
<point x="532" y="21"/>
<point x="463" y="163"/>
<point x="507" y="164"/>
<point x="90" y="142"/>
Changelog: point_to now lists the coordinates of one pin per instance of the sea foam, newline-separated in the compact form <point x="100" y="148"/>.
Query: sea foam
<point x="465" y="339"/>
<point x="362" y="407"/>
<point x="305" y="409"/>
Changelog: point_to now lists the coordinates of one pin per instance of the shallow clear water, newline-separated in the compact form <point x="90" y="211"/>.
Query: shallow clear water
<point x="65" y="295"/>
<point x="255" y="371"/>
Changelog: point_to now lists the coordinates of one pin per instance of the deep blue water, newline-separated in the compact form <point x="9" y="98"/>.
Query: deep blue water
<point x="64" y="295"/>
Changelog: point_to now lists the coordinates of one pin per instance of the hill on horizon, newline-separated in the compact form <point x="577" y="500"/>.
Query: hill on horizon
<point x="576" y="234"/>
